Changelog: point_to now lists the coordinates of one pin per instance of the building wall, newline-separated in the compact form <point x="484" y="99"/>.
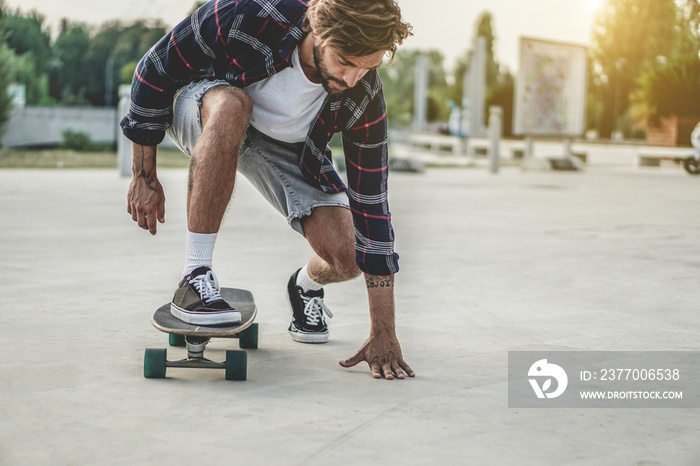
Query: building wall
<point x="44" y="126"/>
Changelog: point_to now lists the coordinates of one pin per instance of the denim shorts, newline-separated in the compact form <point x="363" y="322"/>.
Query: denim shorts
<point x="271" y="166"/>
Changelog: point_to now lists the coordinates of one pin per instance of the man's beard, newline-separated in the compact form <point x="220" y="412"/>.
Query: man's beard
<point x="326" y="78"/>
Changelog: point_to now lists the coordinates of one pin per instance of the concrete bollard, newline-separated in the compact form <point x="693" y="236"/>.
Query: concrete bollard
<point x="495" y="132"/>
<point x="123" y="144"/>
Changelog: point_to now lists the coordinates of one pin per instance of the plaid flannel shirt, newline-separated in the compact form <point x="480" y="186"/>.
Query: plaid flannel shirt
<point x="245" y="41"/>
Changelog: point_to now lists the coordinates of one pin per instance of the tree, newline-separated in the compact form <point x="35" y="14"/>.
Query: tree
<point x="398" y="84"/>
<point x="133" y="43"/>
<point x="629" y="37"/>
<point x="29" y="52"/>
<point x="69" y="52"/>
<point x="689" y="26"/>
<point x="500" y="85"/>
<point x="5" y="104"/>
<point x="99" y="61"/>
<point x="670" y="89"/>
<point x="29" y="35"/>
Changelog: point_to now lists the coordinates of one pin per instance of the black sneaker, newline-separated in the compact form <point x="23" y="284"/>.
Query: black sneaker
<point x="308" y="324"/>
<point x="197" y="301"/>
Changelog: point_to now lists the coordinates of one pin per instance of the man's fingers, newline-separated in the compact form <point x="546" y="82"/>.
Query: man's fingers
<point x="388" y="373"/>
<point x="152" y="223"/>
<point x="161" y="210"/>
<point x="406" y="367"/>
<point x="141" y="220"/>
<point x="376" y="373"/>
<point x="353" y="361"/>
<point x="397" y="370"/>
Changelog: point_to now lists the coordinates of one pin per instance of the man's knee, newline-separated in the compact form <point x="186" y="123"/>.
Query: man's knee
<point x="228" y="106"/>
<point x="341" y="258"/>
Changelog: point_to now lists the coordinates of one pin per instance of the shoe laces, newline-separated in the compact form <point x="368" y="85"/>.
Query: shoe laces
<point x="207" y="286"/>
<point x="314" y="309"/>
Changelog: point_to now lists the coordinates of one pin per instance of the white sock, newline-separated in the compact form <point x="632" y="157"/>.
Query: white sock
<point x="305" y="282"/>
<point x="200" y="251"/>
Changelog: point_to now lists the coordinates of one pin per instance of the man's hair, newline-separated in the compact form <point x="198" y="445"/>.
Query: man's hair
<point x="357" y="27"/>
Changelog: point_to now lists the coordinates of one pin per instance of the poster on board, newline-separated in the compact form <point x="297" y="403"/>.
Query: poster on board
<point x="550" y="91"/>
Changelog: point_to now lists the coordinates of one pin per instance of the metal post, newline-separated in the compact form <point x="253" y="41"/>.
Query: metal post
<point x="476" y="88"/>
<point x="529" y="147"/>
<point x="567" y="147"/>
<point x="123" y="144"/>
<point x="420" y="95"/>
<point x="495" y="131"/>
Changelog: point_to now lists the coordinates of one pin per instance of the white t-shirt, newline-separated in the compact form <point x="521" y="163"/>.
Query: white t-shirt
<point x="285" y="104"/>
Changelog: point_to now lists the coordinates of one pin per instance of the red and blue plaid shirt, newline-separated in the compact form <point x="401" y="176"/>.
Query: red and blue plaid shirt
<point x="245" y="41"/>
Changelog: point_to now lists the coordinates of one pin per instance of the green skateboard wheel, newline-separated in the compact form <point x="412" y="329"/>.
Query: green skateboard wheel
<point x="248" y="338"/>
<point x="177" y="340"/>
<point x="236" y="365"/>
<point x="154" y="363"/>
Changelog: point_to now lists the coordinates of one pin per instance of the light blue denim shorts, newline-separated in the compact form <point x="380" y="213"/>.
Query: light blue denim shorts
<point x="271" y="166"/>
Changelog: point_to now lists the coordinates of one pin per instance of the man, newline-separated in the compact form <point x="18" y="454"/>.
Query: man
<point x="259" y="87"/>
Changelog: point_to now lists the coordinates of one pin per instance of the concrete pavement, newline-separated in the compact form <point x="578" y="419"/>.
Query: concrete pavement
<point x="607" y="259"/>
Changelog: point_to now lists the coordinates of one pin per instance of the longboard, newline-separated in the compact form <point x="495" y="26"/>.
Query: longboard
<point x="196" y="337"/>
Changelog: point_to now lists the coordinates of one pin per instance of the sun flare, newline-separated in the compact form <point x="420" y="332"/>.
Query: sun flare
<point x="594" y="5"/>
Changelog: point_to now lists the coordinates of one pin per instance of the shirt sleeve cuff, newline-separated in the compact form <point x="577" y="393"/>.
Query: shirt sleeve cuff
<point x="375" y="264"/>
<point x="141" y="136"/>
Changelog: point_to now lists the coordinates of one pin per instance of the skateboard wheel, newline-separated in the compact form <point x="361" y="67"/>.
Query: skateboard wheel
<point x="236" y="365"/>
<point x="248" y="338"/>
<point x="177" y="340"/>
<point x="154" y="363"/>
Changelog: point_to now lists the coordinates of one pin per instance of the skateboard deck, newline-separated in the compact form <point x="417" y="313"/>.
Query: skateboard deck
<point x="241" y="300"/>
<point x="196" y="337"/>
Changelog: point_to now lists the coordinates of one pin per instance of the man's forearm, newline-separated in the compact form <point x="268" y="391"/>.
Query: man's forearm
<point x="380" y="290"/>
<point x="143" y="163"/>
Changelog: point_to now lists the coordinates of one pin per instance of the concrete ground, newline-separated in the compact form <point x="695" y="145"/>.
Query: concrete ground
<point x="607" y="259"/>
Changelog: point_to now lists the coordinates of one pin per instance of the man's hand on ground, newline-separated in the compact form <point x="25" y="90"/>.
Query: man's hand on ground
<point x="383" y="355"/>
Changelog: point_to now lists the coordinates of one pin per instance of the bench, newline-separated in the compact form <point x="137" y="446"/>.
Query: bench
<point x="438" y="142"/>
<point x="654" y="158"/>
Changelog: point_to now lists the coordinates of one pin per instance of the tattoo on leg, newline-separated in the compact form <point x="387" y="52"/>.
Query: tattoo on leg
<point x="147" y="177"/>
<point x="378" y="281"/>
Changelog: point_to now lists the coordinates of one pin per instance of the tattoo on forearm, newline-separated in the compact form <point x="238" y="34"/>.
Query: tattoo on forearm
<point x="147" y="177"/>
<point x="190" y="179"/>
<point x="378" y="281"/>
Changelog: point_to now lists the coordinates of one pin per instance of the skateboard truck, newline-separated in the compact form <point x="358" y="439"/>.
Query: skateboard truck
<point x="236" y="364"/>
<point x="195" y="347"/>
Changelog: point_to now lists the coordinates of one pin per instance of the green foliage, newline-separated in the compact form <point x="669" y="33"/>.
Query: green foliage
<point x="502" y="94"/>
<point x="82" y="67"/>
<point x="29" y="35"/>
<point x="628" y="38"/>
<point x="398" y="83"/>
<point x="5" y="74"/>
<point x="669" y="89"/>
<point x="69" y="52"/>
<point x="126" y="74"/>
<point x="76" y="140"/>
<point x="28" y="54"/>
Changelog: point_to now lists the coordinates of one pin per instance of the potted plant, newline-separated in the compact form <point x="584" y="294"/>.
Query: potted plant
<point x="667" y="101"/>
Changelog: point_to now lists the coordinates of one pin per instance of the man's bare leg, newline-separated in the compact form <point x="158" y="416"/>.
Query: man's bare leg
<point x="225" y="114"/>
<point x="331" y="233"/>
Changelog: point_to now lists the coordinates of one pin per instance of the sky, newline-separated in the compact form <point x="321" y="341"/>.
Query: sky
<point x="444" y="25"/>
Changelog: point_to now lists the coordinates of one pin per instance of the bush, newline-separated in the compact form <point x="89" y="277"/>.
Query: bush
<point x="76" y="140"/>
<point x="669" y="89"/>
